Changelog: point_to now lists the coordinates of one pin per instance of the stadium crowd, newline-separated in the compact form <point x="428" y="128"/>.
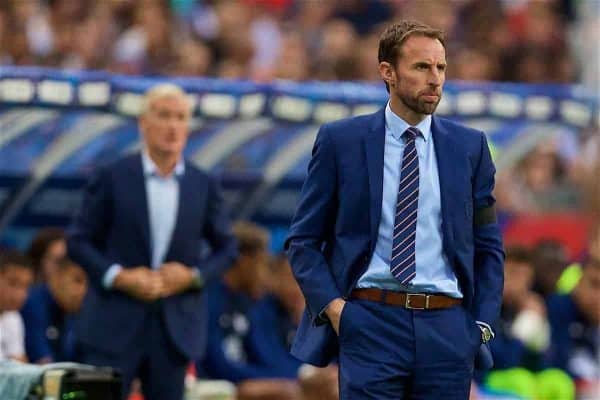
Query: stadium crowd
<point x="548" y="197"/>
<point x="498" y="40"/>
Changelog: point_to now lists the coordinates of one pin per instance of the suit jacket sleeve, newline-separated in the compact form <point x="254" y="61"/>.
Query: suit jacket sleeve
<point x="312" y="225"/>
<point x="489" y="254"/>
<point x="217" y="232"/>
<point x="87" y="234"/>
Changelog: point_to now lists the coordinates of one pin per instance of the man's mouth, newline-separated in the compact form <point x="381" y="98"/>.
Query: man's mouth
<point x="430" y="96"/>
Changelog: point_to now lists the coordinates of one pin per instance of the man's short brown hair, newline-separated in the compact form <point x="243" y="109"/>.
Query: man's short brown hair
<point x="518" y="254"/>
<point x="392" y="39"/>
<point x="41" y="242"/>
<point x="251" y="237"/>
<point x="14" y="258"/>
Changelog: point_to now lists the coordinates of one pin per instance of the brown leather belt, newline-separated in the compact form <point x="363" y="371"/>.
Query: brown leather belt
<point x="414" y="301"/>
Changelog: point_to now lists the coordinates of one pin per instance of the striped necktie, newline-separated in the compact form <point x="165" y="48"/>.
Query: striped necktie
<point x="402" y="264"/>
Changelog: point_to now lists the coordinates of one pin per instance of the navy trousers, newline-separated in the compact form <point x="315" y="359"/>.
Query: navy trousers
<point x="390" y="352"/>
<point x="154" y="359"/>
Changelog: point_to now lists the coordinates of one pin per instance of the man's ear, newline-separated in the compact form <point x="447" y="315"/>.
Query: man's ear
<point x="387" y="73"/>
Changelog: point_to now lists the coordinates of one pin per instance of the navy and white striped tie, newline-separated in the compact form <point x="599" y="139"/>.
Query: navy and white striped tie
<point x="402" y="264"/>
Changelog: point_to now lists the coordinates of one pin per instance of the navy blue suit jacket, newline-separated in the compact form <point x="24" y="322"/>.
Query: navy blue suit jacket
<point x="334" y="231"/>
<point x="112" y="226"/>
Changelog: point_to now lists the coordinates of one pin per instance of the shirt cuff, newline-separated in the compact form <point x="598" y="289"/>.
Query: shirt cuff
<point x="485" y="325"/>
<point x="110" y="275"/>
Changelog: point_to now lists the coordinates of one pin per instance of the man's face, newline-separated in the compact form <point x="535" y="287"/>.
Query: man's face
<point x="71" y="283"/>
<point x="254" y="269"/>
<point x="419" y="74"/>
<point x="15" y="282"/>
<point x="57" y="250"/>
<point x="165" y="125"/>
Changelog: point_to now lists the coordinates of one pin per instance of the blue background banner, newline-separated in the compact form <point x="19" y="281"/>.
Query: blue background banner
<point x="57" y="126"/>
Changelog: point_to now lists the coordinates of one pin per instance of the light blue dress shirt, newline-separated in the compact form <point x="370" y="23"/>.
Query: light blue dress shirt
<point x="433" y="271"/>
<point x="162" y="194"/>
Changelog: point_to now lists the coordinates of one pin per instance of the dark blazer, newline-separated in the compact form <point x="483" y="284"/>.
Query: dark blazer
<point x="112" y="226"/>
<point x="334" y="231"/>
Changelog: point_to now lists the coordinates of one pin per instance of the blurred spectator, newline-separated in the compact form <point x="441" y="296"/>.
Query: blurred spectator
<point x="549" y="261"/>
<point x="46" y="249"/>
<point x="274" y="320"/>
<point x="585" y="32"/>
<point x="522" y="40"/>
<point x="364" y="15"/>
<point x="524" y="331"/>
<point x="585" y="172"/>
<point x="192" y="58"/>
<point x="146" y="47"/>
<point x="538" y="183"/>
<point x="367" y="57"/>
<point x="48" y="314"/>
<point x="231" y="299"/>
<point x="266" y="36"/>
<point x="474" y="65"/>
<point x="293" y="61"/>
<point x="336" y="56"/>
<point x="523" y="338"/>
<point x="16" y="276"/>
<point x="575" y="320"/>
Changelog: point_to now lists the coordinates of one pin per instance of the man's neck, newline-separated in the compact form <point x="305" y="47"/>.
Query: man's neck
<point x="165" y="163"/>
<point x="401" y="110"/>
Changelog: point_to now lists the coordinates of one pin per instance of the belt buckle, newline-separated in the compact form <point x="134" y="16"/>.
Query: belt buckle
<point x="411" y="307"/>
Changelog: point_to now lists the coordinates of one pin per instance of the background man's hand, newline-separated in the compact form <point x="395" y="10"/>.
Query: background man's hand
<point x="176" y="278"/>
<point x="140" y="282"/>
<point x="334" y="312"/>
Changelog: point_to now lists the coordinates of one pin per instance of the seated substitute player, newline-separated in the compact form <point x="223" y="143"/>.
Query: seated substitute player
<point x="49" y="314"/>
<point x="16" y="277"/>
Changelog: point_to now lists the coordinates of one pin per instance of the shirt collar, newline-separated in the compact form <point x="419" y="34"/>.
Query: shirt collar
<point x="150" y="168"/>
<point x="396" y="125"/>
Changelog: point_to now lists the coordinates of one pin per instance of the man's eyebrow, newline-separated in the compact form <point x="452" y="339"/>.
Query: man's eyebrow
<point x="444" y="63"/>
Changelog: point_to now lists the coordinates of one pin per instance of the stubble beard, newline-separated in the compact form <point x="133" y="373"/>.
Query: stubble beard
<point x="418" y="105"/>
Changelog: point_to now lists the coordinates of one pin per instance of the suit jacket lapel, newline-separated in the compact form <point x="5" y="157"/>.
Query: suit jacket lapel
<point x="374" y="142"/>
<point x="445" y="154"/>
<point x="186" y="192"/>
<point x="141" y="213"/>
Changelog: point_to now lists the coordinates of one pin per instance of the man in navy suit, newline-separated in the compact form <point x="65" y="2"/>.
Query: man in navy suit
<point x="142" y="235"/>
<point x="395" y="243"/>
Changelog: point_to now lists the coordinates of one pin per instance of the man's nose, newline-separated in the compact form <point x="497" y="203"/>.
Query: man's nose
<point x="435" y="78"/>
